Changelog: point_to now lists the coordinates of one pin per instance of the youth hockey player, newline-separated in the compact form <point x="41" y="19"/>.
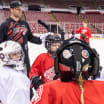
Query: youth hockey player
<point x="14" y="84"/>
<point x="84" y="31"/>
<point x="75" y="63"/>
<point x="43" y="66"/>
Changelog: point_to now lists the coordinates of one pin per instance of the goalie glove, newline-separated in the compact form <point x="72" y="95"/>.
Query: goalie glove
<point x="36" y="82"/>
<point x="83" y="36"/>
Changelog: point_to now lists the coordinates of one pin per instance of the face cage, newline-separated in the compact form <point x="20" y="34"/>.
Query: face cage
<point x="8" y="60"/>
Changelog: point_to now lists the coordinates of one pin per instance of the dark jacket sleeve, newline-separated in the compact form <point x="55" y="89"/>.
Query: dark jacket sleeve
<point x="32" y="38"/>
<point x="3" y="29"/>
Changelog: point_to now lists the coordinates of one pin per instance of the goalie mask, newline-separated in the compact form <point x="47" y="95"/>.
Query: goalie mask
<point x="75" y="57"/>
<point x="52" y="40"/>
<point x="11" y="55"/>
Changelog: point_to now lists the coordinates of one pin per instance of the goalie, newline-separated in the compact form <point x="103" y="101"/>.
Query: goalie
<point x="14" y="84"/>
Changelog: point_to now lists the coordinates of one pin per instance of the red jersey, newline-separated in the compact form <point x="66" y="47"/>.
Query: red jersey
<point x="58" y="92"/>
<point x="86" y="32"/>
<point x="43" y="66"/>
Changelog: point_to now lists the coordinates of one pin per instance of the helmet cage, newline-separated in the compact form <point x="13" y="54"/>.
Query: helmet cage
<point x="50" y="39"/>
<point x="9" y="48"/>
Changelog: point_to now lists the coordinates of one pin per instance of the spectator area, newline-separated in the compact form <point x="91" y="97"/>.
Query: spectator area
<point x="68" y="21"/>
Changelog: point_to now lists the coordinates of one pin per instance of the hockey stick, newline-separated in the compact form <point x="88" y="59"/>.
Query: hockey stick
<point x="48" y="28"/>
<point x="44" y="25"/>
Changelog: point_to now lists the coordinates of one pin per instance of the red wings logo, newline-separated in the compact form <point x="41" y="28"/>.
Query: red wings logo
<point x="49" y="74"/>
<point x="37" y="96"/>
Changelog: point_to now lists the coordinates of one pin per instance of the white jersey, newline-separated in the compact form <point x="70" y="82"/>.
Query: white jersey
<point x="14" y="86"/>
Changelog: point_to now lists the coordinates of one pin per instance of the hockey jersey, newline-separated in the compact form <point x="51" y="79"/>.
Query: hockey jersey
<point x="58" y="92"/>
<point x="43" y="66"/>
<point x="86" y="32"/>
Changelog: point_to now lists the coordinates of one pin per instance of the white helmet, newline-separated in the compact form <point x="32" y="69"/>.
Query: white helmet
<point x="11" y="54"/>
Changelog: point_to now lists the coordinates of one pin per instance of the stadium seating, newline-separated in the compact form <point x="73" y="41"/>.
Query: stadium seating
<point x="68" y="21"/>
<point x="34" y="16"/>
<point x="3" y="15"/>
<point x="66" y="17"/>
<point x="89" y="4"/>
<point x="94" y="18"/>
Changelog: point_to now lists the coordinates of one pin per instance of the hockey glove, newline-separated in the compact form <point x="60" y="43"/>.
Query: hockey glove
<point x="36" y="81"/>
<point x="83" y="36"/>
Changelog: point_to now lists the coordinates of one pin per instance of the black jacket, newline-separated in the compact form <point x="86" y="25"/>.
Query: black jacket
<point x="20" y="32"/>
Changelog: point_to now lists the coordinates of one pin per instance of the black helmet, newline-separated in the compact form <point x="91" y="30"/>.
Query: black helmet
<point x="15" y="4"/>
<point x="75" y="57"/>
<point x="50" y="39"/>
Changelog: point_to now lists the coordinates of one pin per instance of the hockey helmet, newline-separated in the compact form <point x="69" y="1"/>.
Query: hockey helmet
<point x="75" y="57"/>
<point x="50" y="39"/>
<point x="11" y="54"/>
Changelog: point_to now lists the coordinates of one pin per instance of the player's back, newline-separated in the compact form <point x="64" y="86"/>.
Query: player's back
<point x="69" y="92"/>
<point x="57" y="92"/>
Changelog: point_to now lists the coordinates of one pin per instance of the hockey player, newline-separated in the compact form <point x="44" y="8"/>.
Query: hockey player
<point x="18" y="30"/>
<point x="84" y="31"/>
<point x="75" y="63"/>
<point x="43" y="66"/>
<point x="14" y="84"/>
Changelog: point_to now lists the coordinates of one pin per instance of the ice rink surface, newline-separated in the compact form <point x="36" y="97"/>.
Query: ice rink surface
<point x="98" y="44"/>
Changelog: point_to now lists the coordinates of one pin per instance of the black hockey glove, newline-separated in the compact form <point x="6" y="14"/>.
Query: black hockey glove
<point x="83" y="36"/>
<point x="36" y="81"/>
